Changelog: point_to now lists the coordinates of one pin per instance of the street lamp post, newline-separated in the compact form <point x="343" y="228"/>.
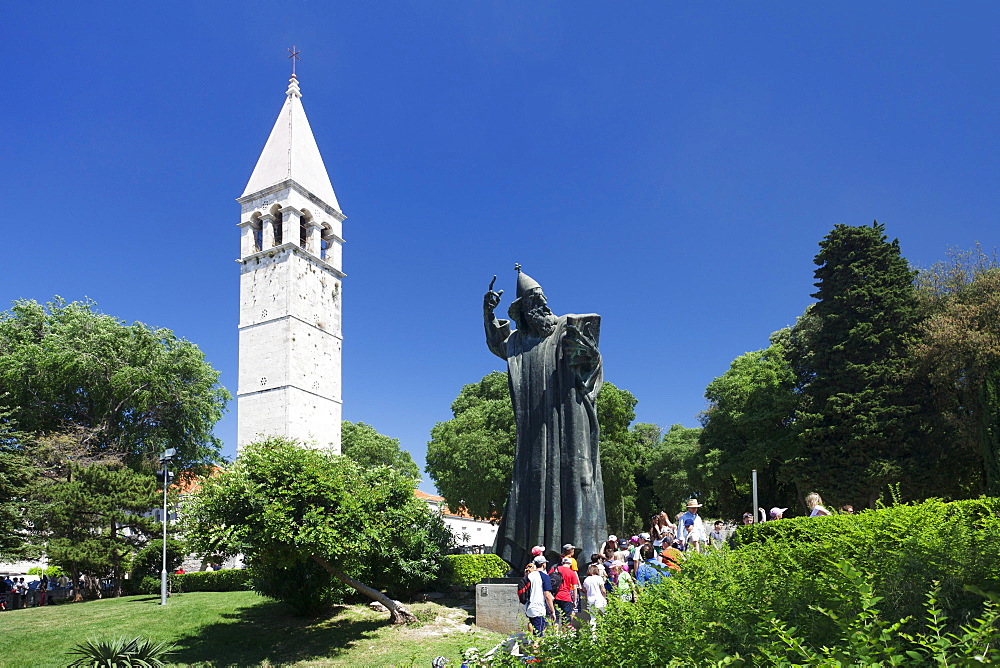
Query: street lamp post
<point x="168" y="455"/>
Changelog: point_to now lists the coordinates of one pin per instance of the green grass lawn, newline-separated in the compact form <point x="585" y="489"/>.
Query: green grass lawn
<point x="240" y="629"/>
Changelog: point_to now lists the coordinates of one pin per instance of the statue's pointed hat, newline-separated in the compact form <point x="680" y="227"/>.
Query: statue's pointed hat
<point x="525" y="283"/>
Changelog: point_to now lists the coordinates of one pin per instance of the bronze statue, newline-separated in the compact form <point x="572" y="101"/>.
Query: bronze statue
<point x="555" y="372"/>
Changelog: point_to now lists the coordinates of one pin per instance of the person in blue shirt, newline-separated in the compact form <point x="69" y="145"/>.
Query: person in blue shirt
<point x="651" y="570"/>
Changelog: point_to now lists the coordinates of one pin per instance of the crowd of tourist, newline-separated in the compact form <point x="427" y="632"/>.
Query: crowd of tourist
<point x="16" y="594"/>
<point x="563" y="590"/>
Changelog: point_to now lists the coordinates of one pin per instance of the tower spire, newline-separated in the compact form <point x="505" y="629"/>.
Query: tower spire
<point x="291" y="152"/>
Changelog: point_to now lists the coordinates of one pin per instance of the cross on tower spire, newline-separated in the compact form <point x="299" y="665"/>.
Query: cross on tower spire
<point x="294" y="56"/>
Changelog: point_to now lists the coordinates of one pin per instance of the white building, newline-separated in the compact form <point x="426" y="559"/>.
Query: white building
<point x="468" y="532"/>
<point x="290" y="290"/>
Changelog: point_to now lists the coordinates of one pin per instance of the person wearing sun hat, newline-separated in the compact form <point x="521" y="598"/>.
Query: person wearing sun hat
<point x="693" y="534"/>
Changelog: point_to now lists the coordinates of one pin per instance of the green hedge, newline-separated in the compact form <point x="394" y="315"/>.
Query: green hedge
<point x="468" y="569"/>
<point x="725" y="601"/>
<point x="233" y="579"/>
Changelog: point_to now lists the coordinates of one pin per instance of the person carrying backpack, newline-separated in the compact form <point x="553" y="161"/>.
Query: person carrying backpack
<point x="535" y="592"/>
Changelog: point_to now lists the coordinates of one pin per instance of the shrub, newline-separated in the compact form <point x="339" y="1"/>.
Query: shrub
<point x="122" y="652"/>
<point x="308" y="589"/>
<point x="148" y="564"/>
<point x="468" y="569"/>
<point x="817" y="581"/>
<point x="231" y="579"/>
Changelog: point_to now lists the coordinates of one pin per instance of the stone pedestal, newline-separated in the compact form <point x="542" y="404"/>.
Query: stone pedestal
<point x="497" y="607"/>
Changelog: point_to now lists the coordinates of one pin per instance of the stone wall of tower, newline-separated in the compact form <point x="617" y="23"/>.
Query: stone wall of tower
<point x="290" y="329"/>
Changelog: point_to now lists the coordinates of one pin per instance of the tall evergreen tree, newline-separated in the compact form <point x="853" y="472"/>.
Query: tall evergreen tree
<point x="94" y="522"/>
<point x="859" y="425"/>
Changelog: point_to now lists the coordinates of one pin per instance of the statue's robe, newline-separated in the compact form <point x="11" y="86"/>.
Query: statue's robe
<point x="557" y="492"/>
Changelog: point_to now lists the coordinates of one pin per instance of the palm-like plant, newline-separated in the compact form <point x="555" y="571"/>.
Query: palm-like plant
<point x="121" y="652"/>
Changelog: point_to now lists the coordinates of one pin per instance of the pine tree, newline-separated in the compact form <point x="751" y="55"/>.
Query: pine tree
<point x="859" y="426"/>
<point x="94" y="520"/>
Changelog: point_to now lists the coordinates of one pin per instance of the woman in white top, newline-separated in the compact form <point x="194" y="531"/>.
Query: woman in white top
<point x="815" y="503"/>
<point x="593" y="584"/>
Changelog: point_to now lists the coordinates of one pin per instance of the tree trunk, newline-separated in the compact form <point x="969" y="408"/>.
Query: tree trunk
<point x="398" y="614"/>
<point x="116" y="570"/>
<point x="77" y="594"/>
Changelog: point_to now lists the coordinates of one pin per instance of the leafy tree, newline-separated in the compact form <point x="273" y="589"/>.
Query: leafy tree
<point x="132" y="389"/>
<point x="93" y="520"/>
<point x="281" y="504"/>
<point x="960" y="353"/>
<point x="470" y="458"/>
<point x="367" y="447"/>
<point x="749" y="425"/>
<point x="674" y="470"/>
<point x="860" y="417"/>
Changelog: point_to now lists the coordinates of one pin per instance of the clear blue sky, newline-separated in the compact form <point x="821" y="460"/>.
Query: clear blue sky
<point x="669" y="165"/>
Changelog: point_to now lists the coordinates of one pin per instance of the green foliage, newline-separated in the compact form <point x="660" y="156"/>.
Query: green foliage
<point x="52" y="572"/>
<point x="148" y="563"/>
<point x="361" y="443"/>
<point x="749" y="425"/>
<point x="305" y="587"/>
<point x="470" y="457"/>
<point x="94" y="520"/>
<point x="17" y="472"/>
<point x="131" y="390"/>
<point x="281" y="504"/>
<point x="859" y="427"/>
<point x="226" y="579"/>
<point x="465" y="570"/>
<point x="960" y="354"/>
<point x="675" y="468"/>
<point x="864" y="637"/>
<point x="121" y="652"/>
<point x="623" y="457"/>
<point x="858" y="589"/>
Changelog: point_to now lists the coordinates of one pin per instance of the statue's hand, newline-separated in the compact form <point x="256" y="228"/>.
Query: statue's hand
<point x="491" y="299"/>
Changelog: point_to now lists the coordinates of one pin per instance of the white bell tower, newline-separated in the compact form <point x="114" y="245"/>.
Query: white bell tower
<point x="290" y="283"/>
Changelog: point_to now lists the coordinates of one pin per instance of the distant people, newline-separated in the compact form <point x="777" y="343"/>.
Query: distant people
<point x="593" y="585"/>
<point x="694" y="534"/>
<point x="569" y="550"/>
<point x="815" y="504"/>
<point x="539" y="596"/>
<point x="566" y="595"/>
<point x="776" y="513"/>
<point x="650" y="571"/>
<point x="671" y="557"/>
<point x="668" y="530"/>
<point x="4" y="592"/>
<point x="717" y="536"/>
<point x="624" y="582"/>
<point x="747" y="518"/>
<point x="847" y="510"/>
<point x="537" y="551"/>
<point x="15" y="594"/>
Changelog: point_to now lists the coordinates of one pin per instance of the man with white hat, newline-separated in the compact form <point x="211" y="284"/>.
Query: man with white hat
<point x="694" y="533"/>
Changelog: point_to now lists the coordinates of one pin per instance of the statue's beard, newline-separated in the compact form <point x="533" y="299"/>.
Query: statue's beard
<point x="539" y="321"/>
